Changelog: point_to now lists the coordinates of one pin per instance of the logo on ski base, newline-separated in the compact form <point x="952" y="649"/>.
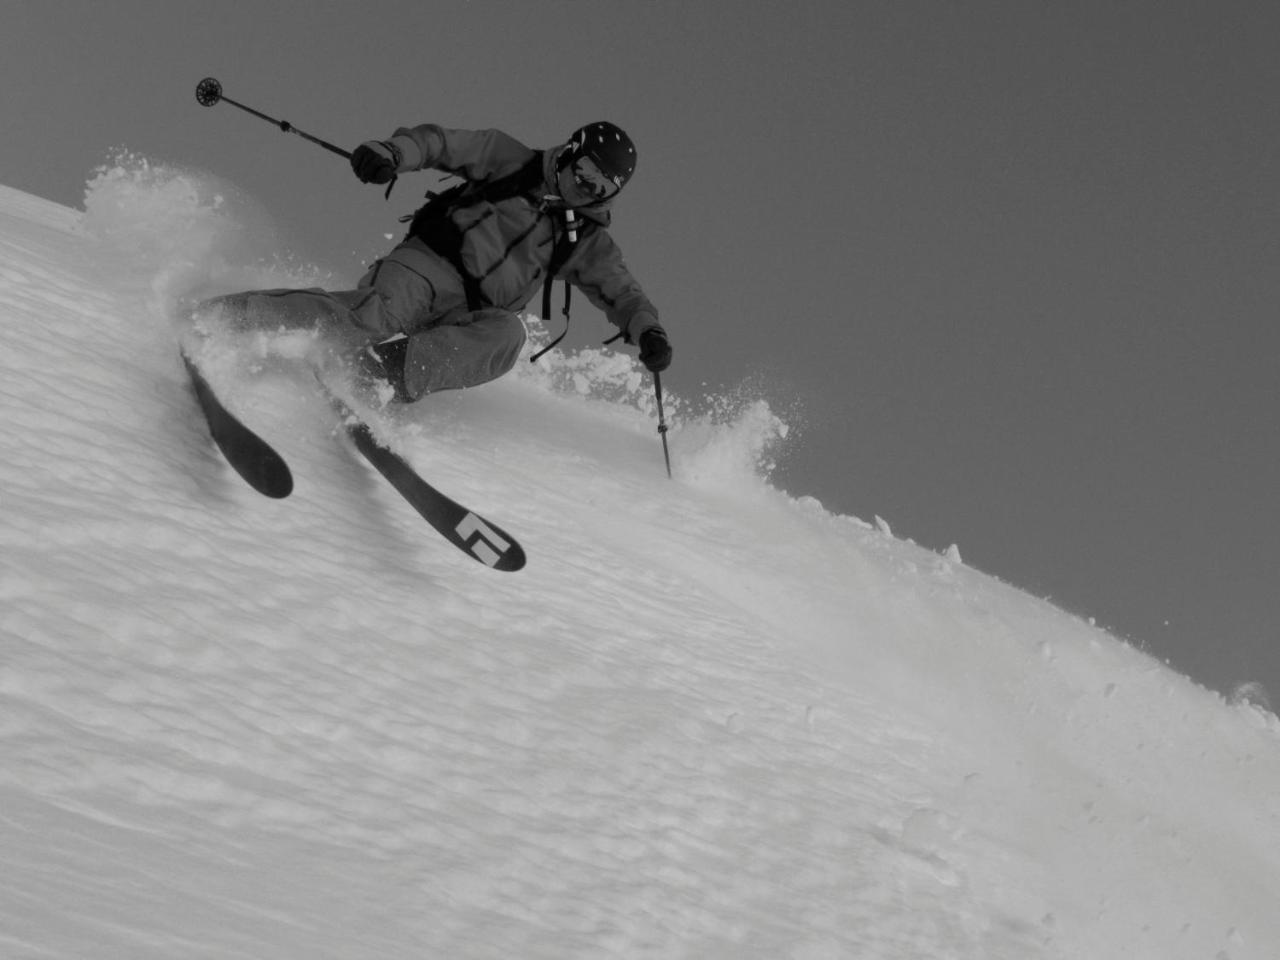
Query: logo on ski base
<point x="488" y="545"/>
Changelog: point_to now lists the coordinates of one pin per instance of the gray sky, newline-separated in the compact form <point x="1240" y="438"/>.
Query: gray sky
<point x="1014" y="262"/>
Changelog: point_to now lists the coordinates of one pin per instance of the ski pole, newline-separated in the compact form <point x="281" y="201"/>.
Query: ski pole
<point x="209" y="92"/>
<point x="662" y="421"/>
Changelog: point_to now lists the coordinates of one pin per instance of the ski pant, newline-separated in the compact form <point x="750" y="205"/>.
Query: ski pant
<point x="410" y="291"/>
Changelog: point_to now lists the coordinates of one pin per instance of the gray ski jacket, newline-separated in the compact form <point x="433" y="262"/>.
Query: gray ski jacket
<point x="507" y="246"/>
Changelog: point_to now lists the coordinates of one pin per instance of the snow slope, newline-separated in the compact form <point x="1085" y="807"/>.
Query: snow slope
<point x="708" y="720"/>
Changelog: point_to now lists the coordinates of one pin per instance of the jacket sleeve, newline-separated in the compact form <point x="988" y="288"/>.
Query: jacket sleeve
<point x="596" y="268"/>
<point x="473" y="154"/>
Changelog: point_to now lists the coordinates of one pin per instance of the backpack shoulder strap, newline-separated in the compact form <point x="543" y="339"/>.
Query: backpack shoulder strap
<point x="525" y="180"/>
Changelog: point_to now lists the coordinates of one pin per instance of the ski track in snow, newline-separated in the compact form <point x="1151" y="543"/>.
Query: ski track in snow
<point x="706" y="721"/>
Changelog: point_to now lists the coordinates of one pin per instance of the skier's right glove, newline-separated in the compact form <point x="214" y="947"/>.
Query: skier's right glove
<point x="376" y="161"/>
<point x="655" y="350"/>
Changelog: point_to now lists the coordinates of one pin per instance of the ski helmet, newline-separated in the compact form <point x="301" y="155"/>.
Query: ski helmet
<point x="607" y="146"/>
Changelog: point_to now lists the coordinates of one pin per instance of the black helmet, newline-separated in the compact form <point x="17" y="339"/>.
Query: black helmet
<point x="607" y="146"/>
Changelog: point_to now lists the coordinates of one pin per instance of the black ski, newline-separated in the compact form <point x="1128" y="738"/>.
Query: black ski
<point x="465" y="529"/>
<point x="249" y="455"/>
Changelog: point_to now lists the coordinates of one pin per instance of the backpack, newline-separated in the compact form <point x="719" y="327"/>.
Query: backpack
<point x="433" y="224"/>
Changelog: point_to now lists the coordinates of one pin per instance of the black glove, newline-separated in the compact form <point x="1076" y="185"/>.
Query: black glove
<point x="376" y="161"/>
<point x="655" y="351"/>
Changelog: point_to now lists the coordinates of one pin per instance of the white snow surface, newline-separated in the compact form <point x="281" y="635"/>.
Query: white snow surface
<point x="708" y="720"/>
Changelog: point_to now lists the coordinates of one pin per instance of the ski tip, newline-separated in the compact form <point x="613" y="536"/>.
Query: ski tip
<point x="485" y="541"/>
<point x="277" y="486"/>
<point x="259" y="466"/>
<point x="512" y="560"/>
<point x="255" y="460"/>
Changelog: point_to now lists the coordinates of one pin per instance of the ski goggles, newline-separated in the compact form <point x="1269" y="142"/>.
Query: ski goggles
<point x="590" y="180"/>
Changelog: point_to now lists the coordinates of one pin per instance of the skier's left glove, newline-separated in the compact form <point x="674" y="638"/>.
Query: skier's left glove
<point x="376" y="161"/>
<point x="655" y="349"/>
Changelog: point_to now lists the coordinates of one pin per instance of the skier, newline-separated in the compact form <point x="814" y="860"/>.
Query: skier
<point x="438" y="311"/>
